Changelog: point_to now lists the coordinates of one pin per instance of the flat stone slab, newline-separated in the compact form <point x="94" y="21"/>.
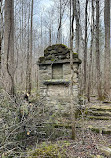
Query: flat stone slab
<point x="98" y="118"/>
<point x="101" y="130"/>
<point x="101" y="107"/>
<point x="56" y="61"/>
<point x="99" y="113"/>
<point x="106" y="102"/>
<point x="98" y="126"/>
<point x="105" y="150"/>
<point x="56" y="82"/>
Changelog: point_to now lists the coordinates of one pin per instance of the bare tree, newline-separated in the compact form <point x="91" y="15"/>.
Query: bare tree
<point x="62" y="7"/>
<point x="91" y="51"/>
<point x="72" y="7"/>
<point x="99" y="90"/>
<point x="85" y="47"/>
<point x="29" y="55"/>
<point x="59" y="33"/>
<point x="48" y="22"/>
<point x="31" y="47"/>
<point x="107" y="48"/>
<point x="0" y="52"/>
<point x="77" y="17"/>
<point x="0" y="33"/>
<point x="9" y="42"/>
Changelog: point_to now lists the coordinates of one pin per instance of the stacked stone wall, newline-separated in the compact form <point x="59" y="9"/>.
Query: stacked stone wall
<point x="56" y="91"/>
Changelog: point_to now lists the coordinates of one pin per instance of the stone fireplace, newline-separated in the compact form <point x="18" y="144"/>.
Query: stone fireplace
<point x="55" y="75"/>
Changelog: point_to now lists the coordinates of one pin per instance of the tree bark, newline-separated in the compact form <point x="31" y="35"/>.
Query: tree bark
<point x="9" y="42"/>
<point x="99" y="90"/>
<point x="0" y="51"/>
<point x="72" y="70"/>
<point x="85" y="48"/>
<point x="59" y="33"/>
<point x="31" y="46"/>
<point x="107" y="48"/>
<point x="77" y="17"/>
<point x="91" y="50"/>
<point x="29" y="54"/>
<point x="0" y="33"/>
<point x="28" y="49"/>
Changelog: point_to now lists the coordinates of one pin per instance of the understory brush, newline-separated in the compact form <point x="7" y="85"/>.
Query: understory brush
<point x="24" y="124"/>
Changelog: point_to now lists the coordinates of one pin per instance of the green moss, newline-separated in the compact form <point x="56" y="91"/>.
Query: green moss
<point x="98" y="118"/>
<point x="55" y="47"/>
<point x="52" y="59"/>
<point x="49" y="57"/>
<point x="62" y="45"/>
<point x="105" y="150"/>
<point x="49" y="151"/>
<point x="102" y="98"/>
<point x="78" y="113"/>
<point x="101" y="108"/>
<point x="97" y="130"/>
<point x="66" y="114"/>
<point x="106" y="131"/>
<point x="41" y="59"/>
<point x="68" y="126"/>
<point x="75" y="55"/>
<point x="99" y="113"/>
<point x="94" y="129"/>
<point x="56" y="82"/>
<point x="86" y="111"/>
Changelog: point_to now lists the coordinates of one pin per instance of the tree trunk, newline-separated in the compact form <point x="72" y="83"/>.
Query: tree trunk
<point x="107" y="48"/>
<point x="0" y="52"/>
<point x="59" y="33"/>
<point x="0" y="33"/>
<point x="29" y="54"/>
<point x="77" y="17"/>
<point x="98" y="52"/>
<point x="91" y="47"/>
<point x="31" y="46"/>
<point x="28" y="49"/>
<point x="85" y="48"/>
<point x="9" y="42"/>
<point x="72" y="70"/>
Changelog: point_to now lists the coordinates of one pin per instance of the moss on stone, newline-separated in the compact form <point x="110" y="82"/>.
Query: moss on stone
<point x="62" y="45"/>
<point x="99" y="113"/>
<point x="58" y="53"/>
<point x="68" y="126"/>
<point x="106" y="131"/>
<point x="100" y="108"/>
<point x="98" y="117"/>
<point x="55" y="48"/>
<point x="97" y="130"/>
<point x="78" y="113"/>
<point x="51" y="150"/>
<point x="75" y="55"/>
<point x="105" y="150"/>
<point x="102" y="98"/>
<point x="41" y="59"/>
<point x="52" y="59"/>
<point x="56" y="82"/>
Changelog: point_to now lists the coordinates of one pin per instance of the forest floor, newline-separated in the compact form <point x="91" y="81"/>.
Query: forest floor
<point x="89" y="142"/>
<point x="94" y="134"/>
<point x="87" y="145"/>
